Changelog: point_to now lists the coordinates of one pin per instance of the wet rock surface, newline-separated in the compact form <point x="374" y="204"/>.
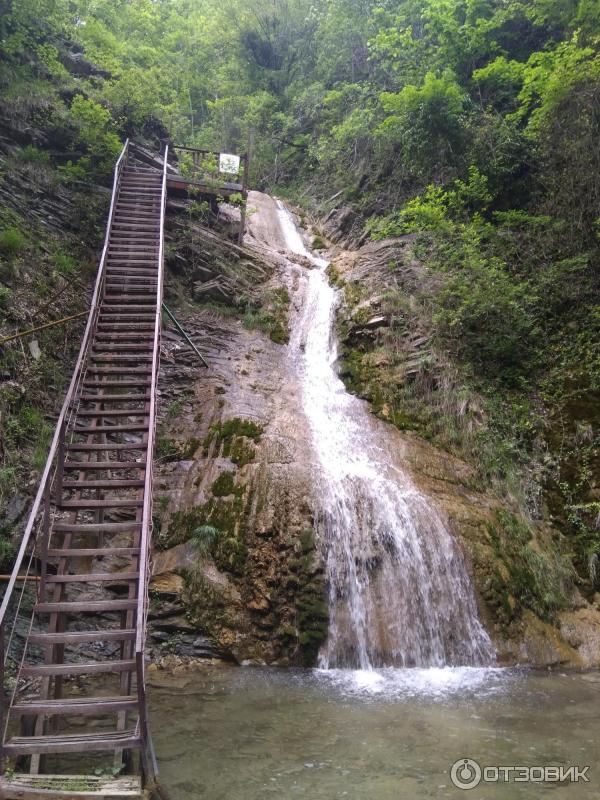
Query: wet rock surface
<point x="233" y="459"/>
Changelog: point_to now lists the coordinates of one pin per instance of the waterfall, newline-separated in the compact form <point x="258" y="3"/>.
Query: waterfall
<point x="399" y="591"/>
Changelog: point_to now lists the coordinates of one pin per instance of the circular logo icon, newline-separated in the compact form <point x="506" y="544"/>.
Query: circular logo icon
<point x="465" y="773"/>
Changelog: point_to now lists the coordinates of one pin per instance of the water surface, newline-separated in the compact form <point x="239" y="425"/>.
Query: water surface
<point x="392" y="734"/>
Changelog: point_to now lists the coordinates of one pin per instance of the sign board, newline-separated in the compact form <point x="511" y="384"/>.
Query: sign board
<point x="229" y="164"/>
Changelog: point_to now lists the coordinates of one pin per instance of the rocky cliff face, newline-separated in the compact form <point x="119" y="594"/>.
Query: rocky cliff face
<point x="236" y="572"/>
<point x="527" y="596"/>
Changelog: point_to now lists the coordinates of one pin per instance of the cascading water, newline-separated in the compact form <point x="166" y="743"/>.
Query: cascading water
<point x="399" y="591"/>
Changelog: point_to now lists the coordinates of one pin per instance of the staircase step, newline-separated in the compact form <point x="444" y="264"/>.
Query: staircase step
<point x="134" y="427"/>
<point x="130" y="309"/>
<point x="133" y="238"/>
<point x="77" y="446"/>
<point x="119" y="371"/>
<point x="115" y="483"/>
<point x="131" y="272"/>
<point x="93" y="577"/>
<point x="125" y="412"/>
<point x="139" y="266"/>
<point x="144" y="320"/>
<point x="129" y="283"/>
<point x="125" y="327"/>
<point x="108" y="502"/>
<point x="76" y="607"/>
<point x="21" y="786"/>
<point x="86" y="466"/>
<point x="83" y="637"/>
<point x="144" y="300"/>
<point x="133" y="191"/>
<point x="91" y="552"/>
<point x="125" y="384"/>
<point x="72" y="743"/>
<point x="120" y="340"/>
<point x="116" y="357"/>
<point x="82" y="706"/>
<point x="97" y="527"/>
<point x="121" y="265"/>
<point x="114" y="398"/>
<point x="147" y="218"/>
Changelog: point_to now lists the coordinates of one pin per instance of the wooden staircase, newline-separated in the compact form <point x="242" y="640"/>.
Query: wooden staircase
<point x="88" y="534"/>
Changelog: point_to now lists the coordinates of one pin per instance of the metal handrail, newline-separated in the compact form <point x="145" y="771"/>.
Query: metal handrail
<point x="60" y="425"/>
<point x="148" y="754"/>
<point x="147" y="508"/>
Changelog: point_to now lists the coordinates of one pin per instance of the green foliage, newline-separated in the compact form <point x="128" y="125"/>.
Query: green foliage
<point x="224" y="485"/>
<point x="486" y="315"/>
<point x="437" y="210"/>
<point x="204" y="538"/>
<point x="271" y="316"/>
<point x="64" y="263"/>
<point x="237" y="426"/>
<point x="33" y="155"/>
<point x="426" y="122"/>
<point x="12" y="242"/>
<point x="70" y="173"/>
<point x="96" y="130"/>
<point x="540" y="576"/>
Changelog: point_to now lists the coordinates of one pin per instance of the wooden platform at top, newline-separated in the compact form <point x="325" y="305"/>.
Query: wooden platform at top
<point x="177" y="183"/>
<point x="71" y="787"/>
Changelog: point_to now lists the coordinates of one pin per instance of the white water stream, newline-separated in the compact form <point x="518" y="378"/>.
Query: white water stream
<point x="399" y="591"/>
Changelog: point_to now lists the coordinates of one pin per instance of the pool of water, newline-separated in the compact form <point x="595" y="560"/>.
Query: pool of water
<point x="252" y="733"/>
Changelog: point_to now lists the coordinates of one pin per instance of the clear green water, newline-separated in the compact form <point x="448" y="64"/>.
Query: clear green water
<point x="254" y="733"/>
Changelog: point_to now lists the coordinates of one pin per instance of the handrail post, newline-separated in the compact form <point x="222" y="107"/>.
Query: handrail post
<point x="58" y="479"/>
<point x="45" y="541"/>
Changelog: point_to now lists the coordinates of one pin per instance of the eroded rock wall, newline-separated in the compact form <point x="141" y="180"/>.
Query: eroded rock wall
<point x="236" y="571"/>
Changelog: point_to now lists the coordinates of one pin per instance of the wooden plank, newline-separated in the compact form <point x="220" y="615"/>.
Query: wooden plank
<point x="70" y="787"/>
<point x="84" y="706"/>
<point x="97" y="527"/>
<point x="116" y="446"/>
<point x="124" y="384"/>
<point x="113" y="412"/>
<point x="107" y="397"/>
<point x="72" y="743"/>
<point x="91" y="552"/>
<point x="104" y="484"/>
<point x="133" y="427"/>
<point x="93" y="577"/>
<point x="107" y="502"/>
<point x="82" y="637"/>
<point x="89" y="668"/>
<point x="83" y="606"/>
<point x="118" y="371"/>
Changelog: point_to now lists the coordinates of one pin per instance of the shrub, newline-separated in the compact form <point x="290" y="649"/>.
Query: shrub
<point x="32" y="155"/>
<point x="224" y="485"/>
<point x="485" y="314"/>
<point x="12" y="242"/>
<point x="5" y="294"/>
<point x="204" y="538"/>
<point x="64" y="263"/>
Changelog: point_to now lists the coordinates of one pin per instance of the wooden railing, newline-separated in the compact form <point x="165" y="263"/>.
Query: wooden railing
<point x="199" y="156"/>
<point x="35" y="537"/>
